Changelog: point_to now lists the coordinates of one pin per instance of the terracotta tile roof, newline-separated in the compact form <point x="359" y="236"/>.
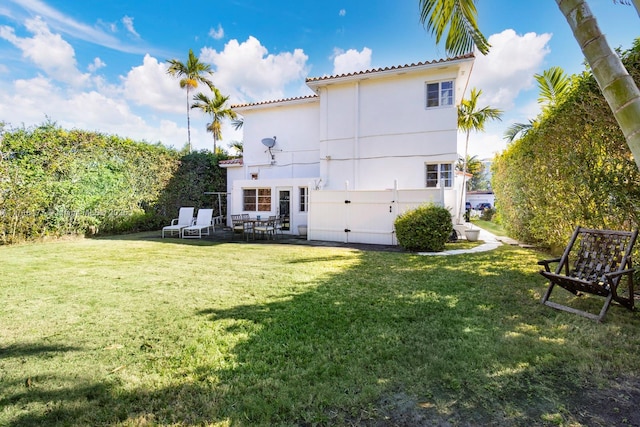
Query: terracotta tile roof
<point x="231" y="162"/>
<point x="395" y="67"/>
<point x="297" y="98"/>
<point x="340" y="76"/>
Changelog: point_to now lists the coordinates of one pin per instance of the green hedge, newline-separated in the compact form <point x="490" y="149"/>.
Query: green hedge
<point x="573" y="168"/>
<point x="56" y="182"/>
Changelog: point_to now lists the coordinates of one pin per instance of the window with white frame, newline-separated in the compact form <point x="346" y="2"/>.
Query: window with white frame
<point x="439" y="175"/>
<point x="304" y="199"/>
<point x="440" y="94"/>
<point x="256" y="199"/>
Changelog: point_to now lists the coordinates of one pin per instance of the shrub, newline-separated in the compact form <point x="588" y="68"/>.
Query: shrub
<point x="426" y="228"/>
<point x="487" y="214"/>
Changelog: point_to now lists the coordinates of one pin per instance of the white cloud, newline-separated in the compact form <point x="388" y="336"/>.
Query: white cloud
<point x="503" y="75"/>
<point x="150" y="85"/>
<point x="351" y="61"/>
<point x="216" y="34"/>
<point x="247" y="72"/>
<point x="66" y="25"/>
<point x="127" y="21"/>
<point x="509" y="67"/>
<point x="47" y="50"/>
<point x="96" y="65"/>
<point x="342" y="12"/>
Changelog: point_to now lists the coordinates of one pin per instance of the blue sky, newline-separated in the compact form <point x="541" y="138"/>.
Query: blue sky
<point x="101" y="65"/>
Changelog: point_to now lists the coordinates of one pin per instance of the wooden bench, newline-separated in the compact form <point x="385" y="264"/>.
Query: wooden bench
<point x="594" y="262"/>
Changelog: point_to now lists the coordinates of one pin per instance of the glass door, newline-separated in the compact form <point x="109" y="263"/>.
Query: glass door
<point x="284" y="208"/>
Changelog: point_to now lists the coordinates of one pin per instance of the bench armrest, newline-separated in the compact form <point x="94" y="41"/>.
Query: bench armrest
<point x="546" y="262"/>
<point x="619" y="273"/>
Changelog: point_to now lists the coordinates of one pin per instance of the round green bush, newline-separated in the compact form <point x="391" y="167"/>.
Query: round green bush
<point x="426" y="228"/>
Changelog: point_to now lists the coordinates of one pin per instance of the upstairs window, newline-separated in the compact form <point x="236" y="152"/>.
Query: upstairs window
<point x="439" y="175"/>
<point x="440" y="94"/>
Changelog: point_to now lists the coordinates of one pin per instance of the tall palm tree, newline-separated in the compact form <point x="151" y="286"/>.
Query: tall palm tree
<point x="473" y="118"/>
<point x="191" y="73"/>
<point x="217" y="108"/>
<point x="617" y="86"/>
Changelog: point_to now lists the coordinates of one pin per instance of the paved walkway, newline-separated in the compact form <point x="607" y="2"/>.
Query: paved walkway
<point x="490" y="243"/>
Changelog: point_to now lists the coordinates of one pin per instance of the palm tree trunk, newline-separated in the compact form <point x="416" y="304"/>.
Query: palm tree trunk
<point x="188" y="122"/>
<point x="464" y="178"/>
<point x="616" y="84"/>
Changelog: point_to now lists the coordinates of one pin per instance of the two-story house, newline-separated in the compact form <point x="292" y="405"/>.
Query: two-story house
<point x="362" y="149"/>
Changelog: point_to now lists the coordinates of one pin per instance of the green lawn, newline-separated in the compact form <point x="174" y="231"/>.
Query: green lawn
<point x="137" y="330"/>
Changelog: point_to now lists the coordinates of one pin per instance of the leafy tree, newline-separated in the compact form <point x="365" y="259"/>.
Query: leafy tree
<point x="458" y="19"/>
<point x="218" y="110"/>
<point x="473" y="118"/>
<point x="191" y="74"/>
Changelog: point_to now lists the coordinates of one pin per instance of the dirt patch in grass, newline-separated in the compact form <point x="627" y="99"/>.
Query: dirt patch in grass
<point x="616" y="405"/>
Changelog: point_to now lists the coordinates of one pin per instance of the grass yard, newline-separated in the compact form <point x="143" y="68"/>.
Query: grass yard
<point x="136" y="330"/>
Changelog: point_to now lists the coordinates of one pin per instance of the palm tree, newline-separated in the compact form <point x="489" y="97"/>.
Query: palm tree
<point x="191" y="74"/>
<point x="473" y="118"/>
<point x="617" y="86"/>
<point x="554" y="85"/>
<point x="217" y="109"/>
<point x="475" y="167"/>
<point x="237" y="145"/>
<point x="519" y="129"/>
<point x="238" y="123"/>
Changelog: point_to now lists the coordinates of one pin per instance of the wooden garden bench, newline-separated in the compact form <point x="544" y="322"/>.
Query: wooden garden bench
<point x="594" y="262"/>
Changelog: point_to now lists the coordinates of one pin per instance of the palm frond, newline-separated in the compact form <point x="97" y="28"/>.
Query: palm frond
<point x="456" y="18"/>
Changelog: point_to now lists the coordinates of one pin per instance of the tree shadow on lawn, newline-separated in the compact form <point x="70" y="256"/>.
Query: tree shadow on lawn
<point x="416" y="342"/>
<point x="459" y="346"/>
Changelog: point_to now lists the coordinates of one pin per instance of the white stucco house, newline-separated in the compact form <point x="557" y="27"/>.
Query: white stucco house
<point x="348" y="159"/>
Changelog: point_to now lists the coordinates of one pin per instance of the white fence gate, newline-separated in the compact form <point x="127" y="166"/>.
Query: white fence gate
<point x="366" y="216"/>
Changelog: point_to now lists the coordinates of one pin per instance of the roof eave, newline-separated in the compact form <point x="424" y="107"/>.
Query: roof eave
<point x="315" y="82"/>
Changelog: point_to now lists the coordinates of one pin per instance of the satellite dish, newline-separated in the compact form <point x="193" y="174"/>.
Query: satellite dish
<point x="269" y="142"/>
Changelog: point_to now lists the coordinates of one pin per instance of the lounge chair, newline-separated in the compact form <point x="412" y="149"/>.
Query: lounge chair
<point x="204" y="222"/>
<point x="185" y="219"/>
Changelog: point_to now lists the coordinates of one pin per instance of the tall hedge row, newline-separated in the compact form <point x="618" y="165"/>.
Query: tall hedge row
<point x="55" y="182"/>
<point x="573" y="168"/>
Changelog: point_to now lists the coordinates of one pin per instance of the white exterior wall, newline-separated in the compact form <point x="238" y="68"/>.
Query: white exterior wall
<point x="376" y="132"/>
<point x="296" y="152"/>
<point x="366" y="216"/>
<point x="368" y="134"/>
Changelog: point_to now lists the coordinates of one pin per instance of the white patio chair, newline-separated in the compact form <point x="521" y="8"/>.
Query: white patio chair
<point x="185" y="219"/>
<point x="204" y="222"/>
